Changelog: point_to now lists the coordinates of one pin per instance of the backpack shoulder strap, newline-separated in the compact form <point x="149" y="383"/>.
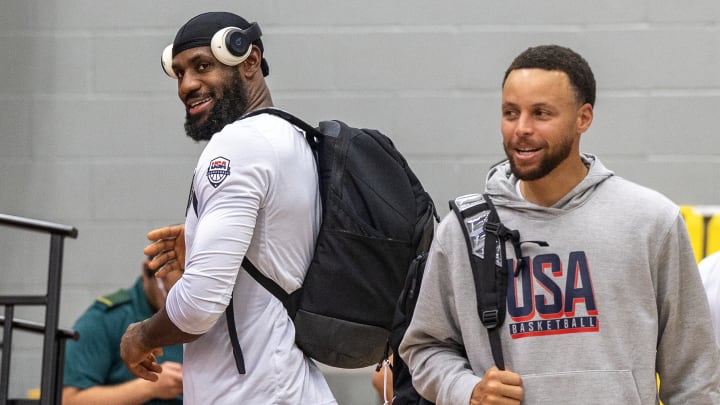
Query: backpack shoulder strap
<point x="485" y="239"/>
<point x="265" y="281"/>
<point x="234" y="341"/>
<point x="269" y="285"/>
<point x="312" y="135"/>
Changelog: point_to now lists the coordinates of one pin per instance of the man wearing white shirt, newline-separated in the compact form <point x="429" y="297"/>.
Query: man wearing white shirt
<point x="255" y="194"/>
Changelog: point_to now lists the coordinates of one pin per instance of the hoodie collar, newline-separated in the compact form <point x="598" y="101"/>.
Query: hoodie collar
<point x="501" y="186"/>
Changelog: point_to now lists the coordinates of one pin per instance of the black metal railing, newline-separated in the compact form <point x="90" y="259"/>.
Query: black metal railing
<point x="54" y="337"/>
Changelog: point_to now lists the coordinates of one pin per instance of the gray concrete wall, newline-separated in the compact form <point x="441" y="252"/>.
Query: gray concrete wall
<point x="91" y="130"/>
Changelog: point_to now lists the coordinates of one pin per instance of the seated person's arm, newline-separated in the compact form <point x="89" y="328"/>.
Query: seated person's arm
<point x="137" y="391"/>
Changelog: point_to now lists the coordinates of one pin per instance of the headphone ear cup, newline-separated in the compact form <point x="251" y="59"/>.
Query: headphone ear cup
<point x="230" y="46"/>
<point x="166" y="62"/>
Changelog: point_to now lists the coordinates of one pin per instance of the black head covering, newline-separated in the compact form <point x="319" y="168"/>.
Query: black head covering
<point x="199" y="30"/>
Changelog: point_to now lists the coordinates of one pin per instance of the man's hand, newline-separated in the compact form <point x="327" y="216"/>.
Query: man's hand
<point x="139" y="358"/>
<point x="498" y="387"/>
<point x="169" y="384"/>
<point x="167" y="249"/>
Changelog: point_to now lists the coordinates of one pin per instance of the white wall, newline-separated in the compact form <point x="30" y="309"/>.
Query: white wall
<point x="91" y="130"/>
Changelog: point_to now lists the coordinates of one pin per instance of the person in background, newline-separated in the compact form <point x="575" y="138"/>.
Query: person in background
<point x="254" y="193"/>
<point x="614" y="298"/>
<point x="710" y="275"/>
<point x="94" y="372"/>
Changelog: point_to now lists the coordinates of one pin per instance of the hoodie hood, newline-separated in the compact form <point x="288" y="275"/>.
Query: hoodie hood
<point x="501" y="185"/>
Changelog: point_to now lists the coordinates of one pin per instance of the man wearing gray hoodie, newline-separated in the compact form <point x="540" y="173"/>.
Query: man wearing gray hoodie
<point x="613" y="299"/>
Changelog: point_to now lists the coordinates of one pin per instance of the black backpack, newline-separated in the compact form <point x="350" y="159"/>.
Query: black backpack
<point x="376" y="219"/>
<point x="483" y="232"/>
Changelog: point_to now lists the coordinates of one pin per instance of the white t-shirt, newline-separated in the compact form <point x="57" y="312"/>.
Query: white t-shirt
<point x="710" y="274"/>
<point x="256" y="189"/>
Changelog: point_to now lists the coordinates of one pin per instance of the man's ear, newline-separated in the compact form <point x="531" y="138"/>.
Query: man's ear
<point x="585" y="117"/>
<point x="251" y="66"/>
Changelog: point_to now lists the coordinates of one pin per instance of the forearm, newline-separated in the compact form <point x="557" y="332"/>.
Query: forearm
<point x="143" y="341"/>
<point x="159" y="331"/>
<point x="440" y="374"/>
<point x="133" y="392"/>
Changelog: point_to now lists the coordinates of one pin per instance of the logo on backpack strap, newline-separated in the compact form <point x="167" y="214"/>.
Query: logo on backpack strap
<point x="218" y="170"/>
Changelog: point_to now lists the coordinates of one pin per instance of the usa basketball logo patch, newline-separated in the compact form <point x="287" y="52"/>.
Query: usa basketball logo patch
<point x="218" y="170"/>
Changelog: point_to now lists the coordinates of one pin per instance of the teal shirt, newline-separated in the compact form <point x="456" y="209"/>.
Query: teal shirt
<point x="94" y="359"/>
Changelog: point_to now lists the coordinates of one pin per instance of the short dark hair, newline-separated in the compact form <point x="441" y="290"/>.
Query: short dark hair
<point x="555" y="57"/>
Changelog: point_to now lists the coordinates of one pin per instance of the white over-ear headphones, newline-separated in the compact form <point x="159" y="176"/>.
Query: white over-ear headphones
<point x="166" y="62"/>
<point x="231" y="46"/>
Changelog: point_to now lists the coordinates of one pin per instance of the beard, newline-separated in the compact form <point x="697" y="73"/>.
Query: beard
<point x="227" y="109"/>
<point x="547" y="165"/>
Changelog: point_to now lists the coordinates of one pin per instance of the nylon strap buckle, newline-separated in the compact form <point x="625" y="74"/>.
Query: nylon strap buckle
<point x="490" y="318"/>
<point x="493" y="227"/>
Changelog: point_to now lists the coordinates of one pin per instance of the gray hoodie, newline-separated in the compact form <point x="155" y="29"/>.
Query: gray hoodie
<point x="613" y="299"/>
